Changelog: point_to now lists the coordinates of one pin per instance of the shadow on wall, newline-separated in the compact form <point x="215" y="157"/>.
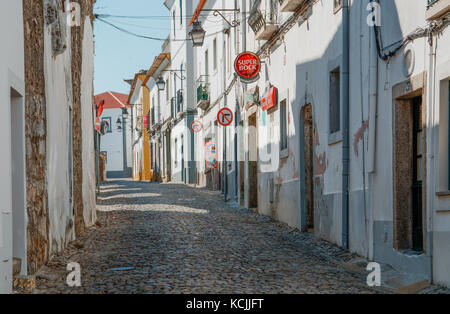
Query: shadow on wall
<point x="314" y="86"/>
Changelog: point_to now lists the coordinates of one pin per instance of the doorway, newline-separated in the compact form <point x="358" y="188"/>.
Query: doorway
<point x="417" y="179"/>
<point x="308" y="142"/>
<point x="409" y="171"/>
<point x="183" y="177"/>
<point x="18" y="189"/>
<point x="252" y="162"/>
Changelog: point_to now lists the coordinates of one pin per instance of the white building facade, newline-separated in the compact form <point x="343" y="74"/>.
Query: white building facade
<point x="13" y="191"/>
<point x="360" y="160"/>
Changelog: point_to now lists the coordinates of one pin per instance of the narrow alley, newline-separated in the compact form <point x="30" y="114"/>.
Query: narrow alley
<point x="172" y="238"/>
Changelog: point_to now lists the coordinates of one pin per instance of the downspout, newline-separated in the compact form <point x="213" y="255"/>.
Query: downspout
<point x="225" y="98"/>
<point x="431" y="121"/>
<point x="124" y="146"/>
<point x="373" y="111"/>
<point x="346" y="122"/>
<point x="243" y="26"/>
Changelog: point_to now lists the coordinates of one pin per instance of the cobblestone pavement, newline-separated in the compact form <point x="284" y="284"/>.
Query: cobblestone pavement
<point x="179" y="239"/>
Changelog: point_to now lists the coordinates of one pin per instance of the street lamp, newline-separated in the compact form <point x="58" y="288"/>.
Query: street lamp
<point x="161" y="84"/>
<point x="124" y="113"/>
<point x="197" y="34"/>
<point x="119" y="124"/>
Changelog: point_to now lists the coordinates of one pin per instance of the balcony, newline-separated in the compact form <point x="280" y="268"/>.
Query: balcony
<point x="263" y="24"/>
<point x="203" y="100"/>
<point x="290" y="5"/>
<point x="437" y="8"/>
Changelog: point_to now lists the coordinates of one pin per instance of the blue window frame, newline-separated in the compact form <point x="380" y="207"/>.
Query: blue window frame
<point x="181" y="12"/>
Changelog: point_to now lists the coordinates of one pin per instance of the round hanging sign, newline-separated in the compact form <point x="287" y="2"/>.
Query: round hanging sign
<point x="247" y="65"/>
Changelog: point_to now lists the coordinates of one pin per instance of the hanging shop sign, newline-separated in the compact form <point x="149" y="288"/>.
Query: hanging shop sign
<point x="271" y="99"/>
<point x="145" y="122"/>
<point x="211" y="156"/>
<point x="247" y="65"/>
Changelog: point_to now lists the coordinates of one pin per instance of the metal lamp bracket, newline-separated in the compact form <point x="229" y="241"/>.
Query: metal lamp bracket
<point x="217" y="12"/>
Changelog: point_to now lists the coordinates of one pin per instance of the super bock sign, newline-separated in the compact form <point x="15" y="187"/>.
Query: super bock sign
<point x="247" y="65"/>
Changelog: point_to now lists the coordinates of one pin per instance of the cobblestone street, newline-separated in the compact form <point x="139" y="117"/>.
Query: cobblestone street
<point x="177" y="239"/>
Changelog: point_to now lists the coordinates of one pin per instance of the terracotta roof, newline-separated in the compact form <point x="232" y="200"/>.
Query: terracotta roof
<point x="156" y="64"/>
<point x="112" y="100"/>
<point x="141" y="75"/>
<point x="199" y="8"/>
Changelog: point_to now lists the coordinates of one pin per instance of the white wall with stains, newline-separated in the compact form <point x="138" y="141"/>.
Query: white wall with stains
<point x="12" y="93"/>
<point x="87" y="120"/>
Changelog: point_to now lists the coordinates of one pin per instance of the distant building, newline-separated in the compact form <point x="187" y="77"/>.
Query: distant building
<point x="116" y="143"/>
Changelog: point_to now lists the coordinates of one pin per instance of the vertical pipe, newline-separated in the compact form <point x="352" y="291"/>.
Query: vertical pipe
<point x="373" y="107"/>
<point x="124" y="146"/>
<point x="346" y="122"/>
<point x="243" y="25"/>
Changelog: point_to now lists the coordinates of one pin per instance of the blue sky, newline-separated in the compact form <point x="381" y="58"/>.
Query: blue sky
<point x="118" y="55"/>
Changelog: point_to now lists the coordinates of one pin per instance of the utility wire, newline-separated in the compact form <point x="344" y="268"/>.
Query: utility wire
<point x="144" y="36"/>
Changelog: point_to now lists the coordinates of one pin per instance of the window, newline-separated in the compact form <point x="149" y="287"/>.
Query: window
<point x="175" y="149"/>
<point x="337" y="5"/>
<point x="181" y="12"/>
<point x="206" y="66"/>
<point x="167" y="89"/>
<point x="152" y="115"/>
<point x="229" y="53"/>
<point x="215" y="54"/>
<point x="108" y="126"/>
<point x="283" y="125"/>
<point x="335" y="101"/>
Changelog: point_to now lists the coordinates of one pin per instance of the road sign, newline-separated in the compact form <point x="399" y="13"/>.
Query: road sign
<point x="98" y="124"/>
<point x="225" y="117"/>
<point x="196" y="126"/>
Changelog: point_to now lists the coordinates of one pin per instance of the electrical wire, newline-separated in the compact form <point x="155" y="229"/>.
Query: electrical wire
<point x="386" y="53"/>
<point x="145" y="36"/>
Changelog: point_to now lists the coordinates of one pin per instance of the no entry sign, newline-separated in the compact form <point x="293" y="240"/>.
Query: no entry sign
<point x="98" y="124"/>
<point x="196" y="126"/>
<point x="247" y="65"/>
<point x="225" y="117"/>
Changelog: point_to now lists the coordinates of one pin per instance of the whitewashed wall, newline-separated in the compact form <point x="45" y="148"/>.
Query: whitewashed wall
<point x="87" y="120"/>
<point x="58" y="94"/>
<point x="11" y="76"/>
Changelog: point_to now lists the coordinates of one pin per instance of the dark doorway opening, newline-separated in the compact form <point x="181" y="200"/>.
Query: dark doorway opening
<point x="418" y="166"/>
<point x="252" y="162"/>
<point x="308" y="133"/>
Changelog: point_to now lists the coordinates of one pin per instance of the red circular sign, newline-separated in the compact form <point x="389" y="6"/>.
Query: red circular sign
<point x="98" y="124"/>
<point x="196" y="126"/>
<point x="247" y="65"/>
<point x="225" y="117"/>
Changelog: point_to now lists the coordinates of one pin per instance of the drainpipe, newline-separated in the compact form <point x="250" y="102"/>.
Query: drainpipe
<point x="346" y="122"/>
<point x="225" y="98"/>
<point x="243" y="25"/>
<point x="373" y="105"/>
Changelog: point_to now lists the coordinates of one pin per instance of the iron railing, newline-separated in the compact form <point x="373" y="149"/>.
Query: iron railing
<point x="202" y="92"/>
<point x="258" y="19"/>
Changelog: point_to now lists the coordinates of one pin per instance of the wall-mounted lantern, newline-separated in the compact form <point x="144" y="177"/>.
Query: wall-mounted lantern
<point x="197" y="34"/>
<point x="161" y="84"/>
